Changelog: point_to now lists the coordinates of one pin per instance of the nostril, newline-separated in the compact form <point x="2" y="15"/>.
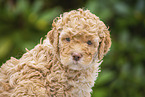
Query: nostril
<point x="76" y="56"/>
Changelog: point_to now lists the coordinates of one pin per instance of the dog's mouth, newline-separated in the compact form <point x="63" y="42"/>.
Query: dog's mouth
<point x="75" y="62"/>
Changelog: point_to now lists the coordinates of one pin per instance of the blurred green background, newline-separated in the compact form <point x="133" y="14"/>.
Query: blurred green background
<point x="24" y="22"/>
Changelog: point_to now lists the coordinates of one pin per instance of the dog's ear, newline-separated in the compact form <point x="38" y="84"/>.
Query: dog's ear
<point x="104" y="46"/>
<point x="53" y="37"/>
<point x="50" y="36"/>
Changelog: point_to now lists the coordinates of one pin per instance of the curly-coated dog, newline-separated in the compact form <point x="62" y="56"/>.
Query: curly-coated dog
<point x="66" y="64"/>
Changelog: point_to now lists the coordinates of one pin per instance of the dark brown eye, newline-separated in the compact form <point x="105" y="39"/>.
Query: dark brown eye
<point x="68" y="39"/>
<point x="89" y="42"/>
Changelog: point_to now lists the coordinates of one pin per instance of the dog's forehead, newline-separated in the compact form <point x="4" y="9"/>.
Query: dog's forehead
<point x="73" y="32"/>
<point x="69" y="32"/>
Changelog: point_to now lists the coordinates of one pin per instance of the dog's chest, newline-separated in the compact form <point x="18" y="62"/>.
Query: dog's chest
<point x="70" y="83"/>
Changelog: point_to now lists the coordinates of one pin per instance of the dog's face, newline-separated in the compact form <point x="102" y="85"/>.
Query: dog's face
<point x="77" y="49"/>
<point x="79" y="38"/>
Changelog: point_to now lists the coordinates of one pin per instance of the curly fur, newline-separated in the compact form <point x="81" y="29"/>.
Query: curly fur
<point x="48" y="69"/>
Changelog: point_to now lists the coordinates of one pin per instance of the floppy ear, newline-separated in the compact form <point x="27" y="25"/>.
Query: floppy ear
<point x="50" y="36"/>
<point x="53" y="37"/>
<point x="104" y="46"/>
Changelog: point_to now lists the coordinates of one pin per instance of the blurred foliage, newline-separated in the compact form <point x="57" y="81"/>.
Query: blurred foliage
<point x="24" y="22"/>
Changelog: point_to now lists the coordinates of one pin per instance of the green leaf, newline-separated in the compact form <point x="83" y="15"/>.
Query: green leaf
<point x="125" y="70"/>
<point x="93" y="6"/>
<point x="37" y="6"/>
<point x="100" y="92"/>
<point x="105" y="77"/>
<point x="106" y="14"/>
<point x="5" y="46"/>
<point x="22" y="6"/>
<point x="122" y="8"/>
<point x="50" y="14"/>
<point x="138" y="73"/>
<point x="47" y="17"/>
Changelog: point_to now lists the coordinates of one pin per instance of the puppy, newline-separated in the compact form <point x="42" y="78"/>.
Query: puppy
<point x="66" y="64"/>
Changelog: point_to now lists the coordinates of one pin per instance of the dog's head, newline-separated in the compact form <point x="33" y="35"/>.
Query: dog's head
<point x="79" y="38"/>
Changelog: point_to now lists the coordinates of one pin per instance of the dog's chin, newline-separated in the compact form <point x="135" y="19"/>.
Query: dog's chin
<point x="75" y="65"/>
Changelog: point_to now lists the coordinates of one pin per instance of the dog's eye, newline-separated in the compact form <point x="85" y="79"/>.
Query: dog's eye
<point x="67" y="39"/>
<point x="89" y="42"/>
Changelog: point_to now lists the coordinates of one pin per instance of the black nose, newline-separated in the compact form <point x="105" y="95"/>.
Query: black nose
<point x="76" y="56"/>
